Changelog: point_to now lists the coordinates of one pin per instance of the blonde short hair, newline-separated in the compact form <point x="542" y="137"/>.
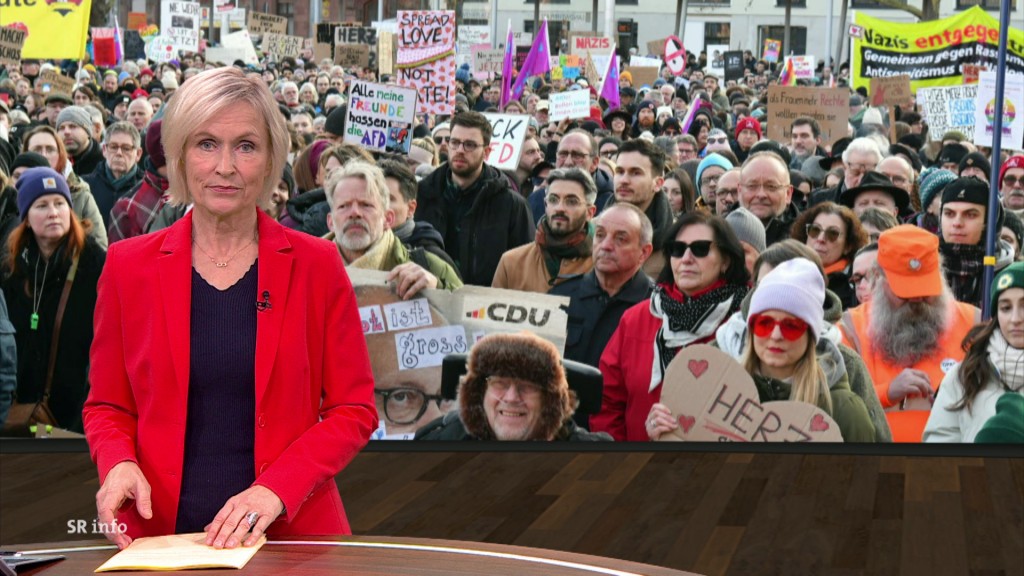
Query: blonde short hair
<point x="369" y="173"/>
<point x="204" y="97"/>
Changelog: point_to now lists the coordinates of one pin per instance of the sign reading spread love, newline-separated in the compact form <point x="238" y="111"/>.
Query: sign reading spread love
<point x="426" y="57"/>
<point x="715" y="400"/>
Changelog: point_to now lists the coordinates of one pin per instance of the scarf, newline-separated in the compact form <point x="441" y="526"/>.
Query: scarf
<point x="1008" y="361"/>
<point x="378" y="256"/>
<point x="963" y="265"/>
<point x="119" y="183"/>
<point x="404" y="232"/>
<point x="837" y="266"/>
<point x="687" y="320"/>
<point x="579" y="244"/>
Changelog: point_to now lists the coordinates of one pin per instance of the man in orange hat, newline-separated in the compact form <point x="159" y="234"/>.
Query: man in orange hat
<point x="909" y="334"/>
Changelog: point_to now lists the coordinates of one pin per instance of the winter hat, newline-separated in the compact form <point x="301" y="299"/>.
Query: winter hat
<point x="1010" y="277"/>
<point x="289" y="179"/>
<point x="315" y="152"/>
<point x="462" y="75"/>
<point x="872" y="117"/>
<point x="796" y="287"/>
<point x="951" y="153"/>
<point x="76" y="115"/>
<point x="748" y="228"/>
<point x="1016" y="161"/>
<point x="969" y="189"/>
<point x="748" y="124"/>
<point x="933" y="181"/>
<point x="908" y="155"/>
<point x="1007" y="426"/>
<point x="523" y="356"/>
<point x="29" y="160"/>
<point x="439" y="127"/>
<point x="37" y="182"/>
<point x="154" y="146"/>
<point x="712" y="160"/>
<point x="976" y="160"/>
<point x="647" y="105"/>
<point x="628" y="76"/>
<point x="335" y="123"/>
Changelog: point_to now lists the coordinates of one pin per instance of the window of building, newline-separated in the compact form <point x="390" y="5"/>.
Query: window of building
<point x="711" y="3"/>
<point x="287" y="9"/>
<point x="795" y="3"/>
<point x="873" y="4"/>
<point x="717" y="33"/>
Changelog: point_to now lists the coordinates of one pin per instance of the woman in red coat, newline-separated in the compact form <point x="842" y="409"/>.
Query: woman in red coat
<point x="220" y="401"/>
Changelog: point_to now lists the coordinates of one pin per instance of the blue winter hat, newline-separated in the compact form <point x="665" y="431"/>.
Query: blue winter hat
<point x="462" y="75"/>
<point x="712" y="160"/>
<point x="35" y="183"/>
<point x="933" y="181"/>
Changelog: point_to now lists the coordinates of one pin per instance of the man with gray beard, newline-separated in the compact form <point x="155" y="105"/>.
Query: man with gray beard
<point x="911" y="331"/>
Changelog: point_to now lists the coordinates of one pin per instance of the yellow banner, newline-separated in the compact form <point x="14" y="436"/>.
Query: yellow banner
<point x="56" y="28"/>
<point x="931" y="53"/>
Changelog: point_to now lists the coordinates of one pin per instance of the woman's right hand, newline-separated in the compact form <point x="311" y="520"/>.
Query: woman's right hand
<point x="660" y="421"/>
<point x="124" y="481"/>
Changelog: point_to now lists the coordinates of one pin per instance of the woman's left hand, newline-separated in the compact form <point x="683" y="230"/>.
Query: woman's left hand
<point x="230" y="525"/>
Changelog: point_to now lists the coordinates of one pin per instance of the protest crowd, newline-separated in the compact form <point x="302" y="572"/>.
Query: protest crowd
<point x="840" y="269"/>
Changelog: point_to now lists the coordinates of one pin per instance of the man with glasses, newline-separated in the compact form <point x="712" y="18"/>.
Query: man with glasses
<point x="1011" y="184"/>
<point x="860" y="157"/>
<point x="708" y="172"/>
<point x="876" y="191"/>
<point x="119" y="171"/>
<point x="902" y="175"/>
<point x="765" y="190"/>
<point x="562" y="249"/>
<point x="577" y="149"/>
<point x="474" y="206"/>
<point x="441" y="134"/>
<point x="727" y="192"/>
<point x="686" y="147"/>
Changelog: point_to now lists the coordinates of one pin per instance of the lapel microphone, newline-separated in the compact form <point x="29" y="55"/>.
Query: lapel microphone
<point x="264" y="305"/>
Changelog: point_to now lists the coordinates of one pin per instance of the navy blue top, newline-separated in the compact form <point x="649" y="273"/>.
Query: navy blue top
<point x="221" y="418"/>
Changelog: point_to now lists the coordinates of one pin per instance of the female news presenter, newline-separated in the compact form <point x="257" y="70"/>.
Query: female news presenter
<point x="220" y="397"/>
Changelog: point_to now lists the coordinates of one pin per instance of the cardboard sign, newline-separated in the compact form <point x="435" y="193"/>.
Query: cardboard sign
<point x="241" y="42"/>
<point x="387" y="51"/>
<point x="352" y="55"/>
<point x="11" y="41"/>
<point x="891" y="91"/>
<point x="508" y="133"/>
<point x="573" y="105"/>
<point x="426" y="57"/>
<point x="971" y="72"/>
<point x="590" y="72"/>
<point x="380" y="117"/>
<point x="645" y="76"/>
<point x="473" y="36"/>
<point x="522" y="38"/>
<point x="262" y="23"/>
<point x="1013" y="110"/>
<point x="803" y="66"/>
<point x="236" y="18"/>
<point x="280" y="46"/>
<point x="161" y="49"/>
<point x="52" y="82"/>
<point x="488" y="60"/>
<point x="771" y="50"/>
<point x="136" y="20"/>
<point x="829" y="106"/>
<point x="715" y="400"/>
<point x="948" y="108"/>
<point x="734" y="65"/>
<point x="583" y="45"/>
<point x="655" y="47"/>
<point x="179" y="22"/>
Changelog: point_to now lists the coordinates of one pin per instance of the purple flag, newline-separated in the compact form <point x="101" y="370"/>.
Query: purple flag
<point x="538" y="61"/>
<point x="610" y="85"/>
<point x="507" y="67"/>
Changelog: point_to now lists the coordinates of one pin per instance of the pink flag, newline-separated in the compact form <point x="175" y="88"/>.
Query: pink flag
<point x="610" y="84"/>
<point x="507" y="68"/>
<point x="538" y="61"/>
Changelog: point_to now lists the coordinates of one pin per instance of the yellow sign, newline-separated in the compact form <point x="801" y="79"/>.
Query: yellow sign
<point x="56" y="31"/>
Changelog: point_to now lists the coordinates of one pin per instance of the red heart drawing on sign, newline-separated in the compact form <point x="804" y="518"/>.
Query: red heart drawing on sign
<point x="697" y="367"/>
<point x="687" y="422"/>
<point x="818" y="424"/>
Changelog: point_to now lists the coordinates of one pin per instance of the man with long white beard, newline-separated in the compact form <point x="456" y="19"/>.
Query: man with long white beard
<point x="911" y="331"/>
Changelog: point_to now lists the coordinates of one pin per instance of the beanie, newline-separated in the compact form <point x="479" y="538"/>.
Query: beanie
<point x="712" y="160"/>
<point x="154" y="146"/>
<point x="933" y="181"/>
<point x="1007" y="426"/>
<point x="37" y="182"/>
<point x="975" y="160"/>
<point x="969" y="189"/>
<point x="748" y="124"/>
<point x="796" y="287"/>
<point x="29" y="160"/>
<point x="315" y="152"/>
<point x="1016" y="161"/>
<point x="289" y="179"/>
<point x="951" y="154"/>
<point x="442" y="126"/>
<point x="1010" y="277"/>
<point x="335" y="123"/>
<point x="628" y="76"/>
<point x="76" y="115"/>
<point x="748" y="228"/>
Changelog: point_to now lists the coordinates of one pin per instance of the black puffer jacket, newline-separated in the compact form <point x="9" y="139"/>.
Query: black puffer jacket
<point x="309" y="210"/>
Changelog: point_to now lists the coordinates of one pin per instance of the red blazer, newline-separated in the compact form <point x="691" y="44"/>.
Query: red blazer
<point x="314" y="386"/>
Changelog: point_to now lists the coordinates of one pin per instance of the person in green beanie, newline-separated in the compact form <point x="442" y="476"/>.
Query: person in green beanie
<point x="1007" y="426"/>
<point x="993" y="367"/>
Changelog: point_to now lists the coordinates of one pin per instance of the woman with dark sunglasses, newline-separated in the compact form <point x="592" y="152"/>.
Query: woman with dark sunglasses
<point x="702" y="284"/>
<point x="835" y="233"/>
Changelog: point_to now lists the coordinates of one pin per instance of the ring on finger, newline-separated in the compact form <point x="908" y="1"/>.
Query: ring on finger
<point x="251" y="518"/>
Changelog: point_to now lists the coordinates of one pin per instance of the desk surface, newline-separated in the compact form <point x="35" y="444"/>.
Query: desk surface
<point x="367" y="555"/>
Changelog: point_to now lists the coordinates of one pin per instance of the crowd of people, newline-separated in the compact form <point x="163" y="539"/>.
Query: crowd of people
<point x="846" y="274"/>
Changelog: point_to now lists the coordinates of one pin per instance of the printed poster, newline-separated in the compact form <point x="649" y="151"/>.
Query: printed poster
<point x="985" y="110"/>
<point x="179" y="23"/>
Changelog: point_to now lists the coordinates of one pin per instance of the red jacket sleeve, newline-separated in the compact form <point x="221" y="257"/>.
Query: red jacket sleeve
<point x="612" y="417"/>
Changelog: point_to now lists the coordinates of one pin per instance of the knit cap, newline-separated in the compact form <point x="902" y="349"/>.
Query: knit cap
<point x="795" y="287"/>
<point x="1010" y="277"/>
<point x="1007" y="426"/>
<point x="154" y="147"/>
<point x="29" y="160"/>
<point x="975" y="160"/>
<point x="76" y="115"/>
<point x="748" y="124"/>
<point x="748" y="228"/>
<point x="1013" y="162"/>
<point x="37" y="182"/>
<point x="712" y="160"/>
<point x="335" y="123"/>
<point x="933" y="181"/>
<point x="439" y="127"/>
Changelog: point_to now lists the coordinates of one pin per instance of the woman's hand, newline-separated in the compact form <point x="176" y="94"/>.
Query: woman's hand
<point x="125" y="480"/>
<point x="230" y="525"/>
<point x="660" y="421"/>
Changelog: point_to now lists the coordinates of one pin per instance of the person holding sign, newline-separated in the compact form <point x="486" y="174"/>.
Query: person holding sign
<point x="781" y="353"/>
<point x="206" y="427"/>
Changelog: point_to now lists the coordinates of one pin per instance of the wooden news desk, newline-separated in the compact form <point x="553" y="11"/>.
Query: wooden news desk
<point x="367" y="555"/>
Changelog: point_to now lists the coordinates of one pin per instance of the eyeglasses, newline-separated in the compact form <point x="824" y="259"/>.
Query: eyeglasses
<point x="609" y="154"/>
<point x="1012" y="181"/>
<point x="467" y="145"/>
<point x="406" y="405"/>
<point x="861" y="167"/>
<point x="502" y="385"/>
<point x="764" y="326"/>
<point x="705" y="180"/>
<point x="123" y="149"/>
<point x="727" y="192"/>
<point x="766" y="186"/>
<point x="699" y="248"/>
<point x="577" y="156"/>
<point x="440" y="139"/>
<point x="687" y="151"/>
<point x="718" y="140"/>
<point x="831" y="234"/>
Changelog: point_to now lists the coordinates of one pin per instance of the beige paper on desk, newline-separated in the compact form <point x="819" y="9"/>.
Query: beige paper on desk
<point x="178" y="552"/>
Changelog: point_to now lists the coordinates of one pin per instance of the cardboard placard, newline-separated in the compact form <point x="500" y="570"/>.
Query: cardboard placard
<point x="971" y="72"/>
<point x="280" y="46"/>
<point x="473" y="36"/>
<point x="263" y="23"/>
<point x="590" y="72"/>
<point x="891" y="91"/>
<point x="734" y="65"/>
<point x="645" y="76"/>
<point x="236" y="18"/>
<point x="656" y="47"/>
<point x="386" y="51"/>
<point x="574" y="104"/>
<point x="426" y="57"/>
<point x="508" y="133"/>
<point x="11" y="41"/>
<point x="522" y="38"/>
<point x="380" y="117"/>
<point x="829" y="106"/>
<point x="136" y="20"/>
<point x="179" y="23"/>
<point x="161" y="49"/>
<point x="352" y="55"/>
<point x="715" y="400"/>
<point x="358" y="35"/>
<point x="52" y="82"/>
<point x="488" y="60"/>
<point x="948" y="108"/>
<point x="1013" y="110"/>
<point x="583" y="45"/>
<point x="241" y="41"/>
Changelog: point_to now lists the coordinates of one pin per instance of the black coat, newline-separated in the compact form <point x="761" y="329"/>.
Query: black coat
<point x="494" y="219"/>
<point x="87" y="162"/>
<point x="106" y="192"/>
<point x="71" y="376"/>
<point x="309" y="210"/>
<point x="450" y="427"/>
<point x="778" y="228"/>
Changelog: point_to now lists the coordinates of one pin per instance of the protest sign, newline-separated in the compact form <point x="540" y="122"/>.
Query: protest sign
<point x="134" y="45"/>
<point x="573" y="105"/>
<point x="136" y="20"/>
<point x="948" y="108"/>
<point x="971" y="72"/>
<point x="426" y="57"/>
<point x="179" y="23"/>
<point x="590" y="71"/>
<point x="716" y="59"/>
<point x="161" y="49"/>
<point x="357" y="35"/>
<point x="583" y="45"/>
<point x="352" y="55"/>
<point x="222" y="6"/>
<point x="715" y="400"/>
<point x="224" y="56"/>
<point x="523" y="38"/>
<point x="771" y="50"/>
<point x="52" y="82"/>
<point x="829" y="106"/>
<point x="54" y="30"/>
<point x="488" y="60"/>
<point x="674" y="55"/>
<point x="236" y="18"/>
<point x="1013" y="110"/>
<point x="734" y="65"/>
<point x="262" y="23"/>
<point x="656" y="47"/>
<point x="933" y="52"/>
<point x="104" y="51"/>
<point x="380" y="117"/>
<point x="242" y="42"/>
<point x="280" y="46"/>
<point x="11" y="41"/>
<point x="803" y="66"/>
<point x="644" y="76"/>
<point x="470" y="36"/>
<point x="386" y="50"/>
<point x="891" y="91"/>
<point x="507" y="137"/>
